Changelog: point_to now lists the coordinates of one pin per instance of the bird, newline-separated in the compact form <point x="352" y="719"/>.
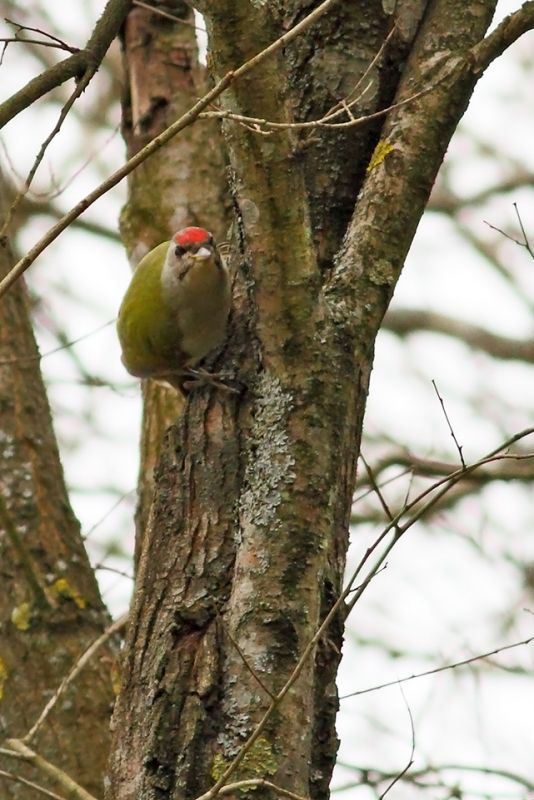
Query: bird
<point x="175" y="311"/>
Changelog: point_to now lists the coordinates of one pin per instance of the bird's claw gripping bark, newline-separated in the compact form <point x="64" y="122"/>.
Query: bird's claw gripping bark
<point x="197" y="378"/>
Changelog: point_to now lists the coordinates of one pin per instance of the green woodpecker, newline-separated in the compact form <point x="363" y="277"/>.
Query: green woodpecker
<point x="175" y="310"/>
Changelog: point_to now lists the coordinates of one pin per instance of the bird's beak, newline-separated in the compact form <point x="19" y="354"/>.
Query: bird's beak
<point x="202" y="253"/>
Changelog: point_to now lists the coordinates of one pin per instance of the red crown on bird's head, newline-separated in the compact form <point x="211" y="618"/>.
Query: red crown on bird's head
<point x="189" y="236"/>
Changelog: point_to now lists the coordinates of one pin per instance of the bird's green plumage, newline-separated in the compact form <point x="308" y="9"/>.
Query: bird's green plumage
<point x="147" y="327"/>
<point x="175" y="310"/>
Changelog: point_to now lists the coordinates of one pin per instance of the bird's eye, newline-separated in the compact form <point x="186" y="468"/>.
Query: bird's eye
<point x="179" y="251"/>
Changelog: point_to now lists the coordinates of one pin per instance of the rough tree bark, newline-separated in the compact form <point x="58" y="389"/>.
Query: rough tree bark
<point x="244" y="552"/>
<point x="50" y="605"/>
<point x="185" y="184"/>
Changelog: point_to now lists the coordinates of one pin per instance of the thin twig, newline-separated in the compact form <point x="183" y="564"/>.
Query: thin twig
<point x="449" y="481"/>
<point x="74" y="65"/>
<point x="335" y="110"/>
<point x="451" y="429"/>
<point x="39" y="356"/>
<point x="247" y="665"/>
<point x="160" y="12"/>
<point x="322" y="123"/>
<point x="503" y="233"/>
<point x="184" y="121"/>
<point x="443" y="668"/>
<point x="116" y="571"/>
<point x="40" y="42"/>
<point x="409" y="487"/>
<point x="526" y="242"/>
<point x="260" y="783"/>
<point x="60" y="188"/>
<point x="104" y="517"/>
<point x="369" y="579"/>
<point x="376" y="488"/>
<point x="80" y="88"/>
<point x="10" y="776"/>
<point x="444" y="485"/>
<point x="410" y="761"/>
<point x="74" y="672"/>
<point x="367" y="492"/>
<point x="55" y="39"/>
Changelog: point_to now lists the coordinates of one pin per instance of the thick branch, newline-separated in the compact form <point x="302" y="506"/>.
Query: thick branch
<point x="404" y="167"/>
<point x="504" y="35"/>
<point x="520" y="468"/>
<point x="445" y="201"/>
<point x="407" y="321"/>
<point x="69" y="68"/>
<point x="105" y="31"/>
<point x="72" y="789"/>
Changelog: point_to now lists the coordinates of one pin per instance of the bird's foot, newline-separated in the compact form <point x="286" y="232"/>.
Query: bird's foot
<point x="198" y="378"/>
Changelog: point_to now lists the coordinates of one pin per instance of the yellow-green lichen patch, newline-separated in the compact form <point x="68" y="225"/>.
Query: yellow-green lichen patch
<point x="257" y="763"/>
<point x="61" y="588"/>
<point x="21" y="616"/>
<point x="116" y="678"/>
<point x="383" y="149"/>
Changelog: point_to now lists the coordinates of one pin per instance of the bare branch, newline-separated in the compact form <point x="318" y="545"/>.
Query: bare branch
<point x="160" y="12"/>
<point x="78" y="91"/>
<point x="445" y="484"/>
<point x="10" y="776"/>
<point x="408" y="321"/>
<point x="41" y="85"/>
<point x="409" y="763"/>
<point x="376" y="488"/>
<point x="525" y="243"/>
<point x="40" y="42"/>
<point x="504" y="35"/>
<point x="443" y="668"/>
<point x="76" y="669"/>
<point x="259" y="783"/>
<point x="264" y="126"/>
<point x="372" y="777"/>
<point x="436" y="493"/>
<point x="184" y="121"/>
<point x="519" y="468"/>
<point x="247" y="665"/>
<point x="46" y="207"/>
<point x="444" y="200"/>
<point x="451" y="429"/>
<point x="55" y="40"/>
<point x="104" y="32"/>
<point x="39" y="356"/>
<point x="503" y="773"/>
<point x="72" y="789"/>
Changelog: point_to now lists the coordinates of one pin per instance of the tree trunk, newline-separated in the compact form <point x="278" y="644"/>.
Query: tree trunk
<point x="50" y="605"/>
<point x="185" y="184"/>
<point x="245" y="550"/>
